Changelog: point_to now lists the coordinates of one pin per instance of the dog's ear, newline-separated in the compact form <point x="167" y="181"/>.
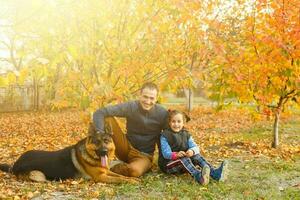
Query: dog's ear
<point x="92" y="129"/>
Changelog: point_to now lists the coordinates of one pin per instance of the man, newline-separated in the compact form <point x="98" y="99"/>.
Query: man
<point x="144" y="122"/>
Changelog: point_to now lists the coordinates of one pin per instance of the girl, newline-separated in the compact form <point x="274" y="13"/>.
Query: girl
<point x="179" y="153"/>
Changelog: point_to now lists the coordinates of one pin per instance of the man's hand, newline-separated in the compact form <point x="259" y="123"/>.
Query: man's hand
<point x="189" y="153"/>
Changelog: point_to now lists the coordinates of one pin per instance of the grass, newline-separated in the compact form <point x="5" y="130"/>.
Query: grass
<point x="254" y="134"/>
<point x="288" y="132"/>
<point x="250" y="177"/>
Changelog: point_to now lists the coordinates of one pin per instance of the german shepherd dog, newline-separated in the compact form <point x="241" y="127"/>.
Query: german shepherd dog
<point x="87" y="159"/>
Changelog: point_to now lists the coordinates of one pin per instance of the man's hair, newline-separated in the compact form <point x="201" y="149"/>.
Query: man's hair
<point x="149" y="85"/>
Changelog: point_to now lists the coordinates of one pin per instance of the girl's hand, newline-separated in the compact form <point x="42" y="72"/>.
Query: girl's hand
<point x="180" y="154"/>
<point x="189" y="153"/>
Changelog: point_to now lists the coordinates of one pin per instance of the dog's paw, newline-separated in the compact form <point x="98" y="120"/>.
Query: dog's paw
<point x="134" y="180"/>
<point x="37" y="176"/>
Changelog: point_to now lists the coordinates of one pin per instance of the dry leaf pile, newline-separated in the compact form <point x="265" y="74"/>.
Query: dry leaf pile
<point x="213" y="131"/>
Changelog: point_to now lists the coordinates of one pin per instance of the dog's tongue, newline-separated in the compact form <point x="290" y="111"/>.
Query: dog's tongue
<point x="104" y="161"/>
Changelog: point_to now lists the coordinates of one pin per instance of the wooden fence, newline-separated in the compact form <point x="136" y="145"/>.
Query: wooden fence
<point x="20" y="98"/>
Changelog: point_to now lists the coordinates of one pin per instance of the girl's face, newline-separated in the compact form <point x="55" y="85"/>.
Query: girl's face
<point x="176" y="123"/>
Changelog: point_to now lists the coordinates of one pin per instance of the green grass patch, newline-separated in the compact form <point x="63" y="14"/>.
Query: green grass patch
<point x="257" y="133"/>
<point x="288" y="132"/>
<point x="251" y="178"/>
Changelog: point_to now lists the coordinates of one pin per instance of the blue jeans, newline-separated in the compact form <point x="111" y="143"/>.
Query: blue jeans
<point x="182" y="165"/>
<point x="199" y="160"/>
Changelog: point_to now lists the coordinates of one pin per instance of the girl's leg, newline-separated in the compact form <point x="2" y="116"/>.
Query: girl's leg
<point x="199" y="160"/>
<point x="186" y="163"/>
<point x="219" y="174"/>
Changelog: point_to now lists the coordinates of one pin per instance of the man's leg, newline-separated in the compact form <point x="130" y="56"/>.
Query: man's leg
<point x="139" y="166"/>
<point x="136" y="163"/>
<point x="120" y="140"/>
<point x="122" y="147"/>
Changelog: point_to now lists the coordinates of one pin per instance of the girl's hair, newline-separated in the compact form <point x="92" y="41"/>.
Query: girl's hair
<point x="172" y="113"/>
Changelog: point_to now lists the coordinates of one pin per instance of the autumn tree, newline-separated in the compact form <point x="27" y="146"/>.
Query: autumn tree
<point x="184" y="44"/>
<point x="86" y="58"/>
<point x="277" y="53"/>
<point x="263" y="65"/>
<point x="90" y="53"/>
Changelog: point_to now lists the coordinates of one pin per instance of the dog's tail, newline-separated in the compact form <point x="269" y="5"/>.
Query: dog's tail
<point x="5" y="168"/>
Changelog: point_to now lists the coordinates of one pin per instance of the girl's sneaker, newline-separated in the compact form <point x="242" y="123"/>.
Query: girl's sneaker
<point x="224" y="171"/>
<point x="204" y="178"/>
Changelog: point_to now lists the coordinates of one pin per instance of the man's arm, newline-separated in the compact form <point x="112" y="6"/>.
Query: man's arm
<point x="119" y="110"/>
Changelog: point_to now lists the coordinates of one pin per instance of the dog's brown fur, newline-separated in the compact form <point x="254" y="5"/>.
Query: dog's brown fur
<point x="80" y="160"/>
<point x="93" y="167"/>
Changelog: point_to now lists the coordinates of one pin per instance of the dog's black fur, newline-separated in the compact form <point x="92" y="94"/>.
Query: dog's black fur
<point x="54" y="164"/>
<point x="84" y="159"/>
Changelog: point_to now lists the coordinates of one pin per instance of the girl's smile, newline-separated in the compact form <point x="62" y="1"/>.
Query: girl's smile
<point x="176" y="123"/>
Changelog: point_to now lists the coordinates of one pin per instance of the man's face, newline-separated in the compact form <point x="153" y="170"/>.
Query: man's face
<point x="148" y="98"/>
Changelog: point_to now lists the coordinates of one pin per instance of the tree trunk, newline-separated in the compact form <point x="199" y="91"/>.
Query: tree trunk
<point x="26" y="98"/>
<point x="275" y="129"/>
<point x="35" y="95"/>
<point x="189" y="94"/>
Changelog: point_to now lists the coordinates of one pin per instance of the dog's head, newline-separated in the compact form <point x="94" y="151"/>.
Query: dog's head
<point x="100" y="145"/>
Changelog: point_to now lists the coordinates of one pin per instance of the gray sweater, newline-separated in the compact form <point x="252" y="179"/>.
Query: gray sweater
<point x="143" y="127"/>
